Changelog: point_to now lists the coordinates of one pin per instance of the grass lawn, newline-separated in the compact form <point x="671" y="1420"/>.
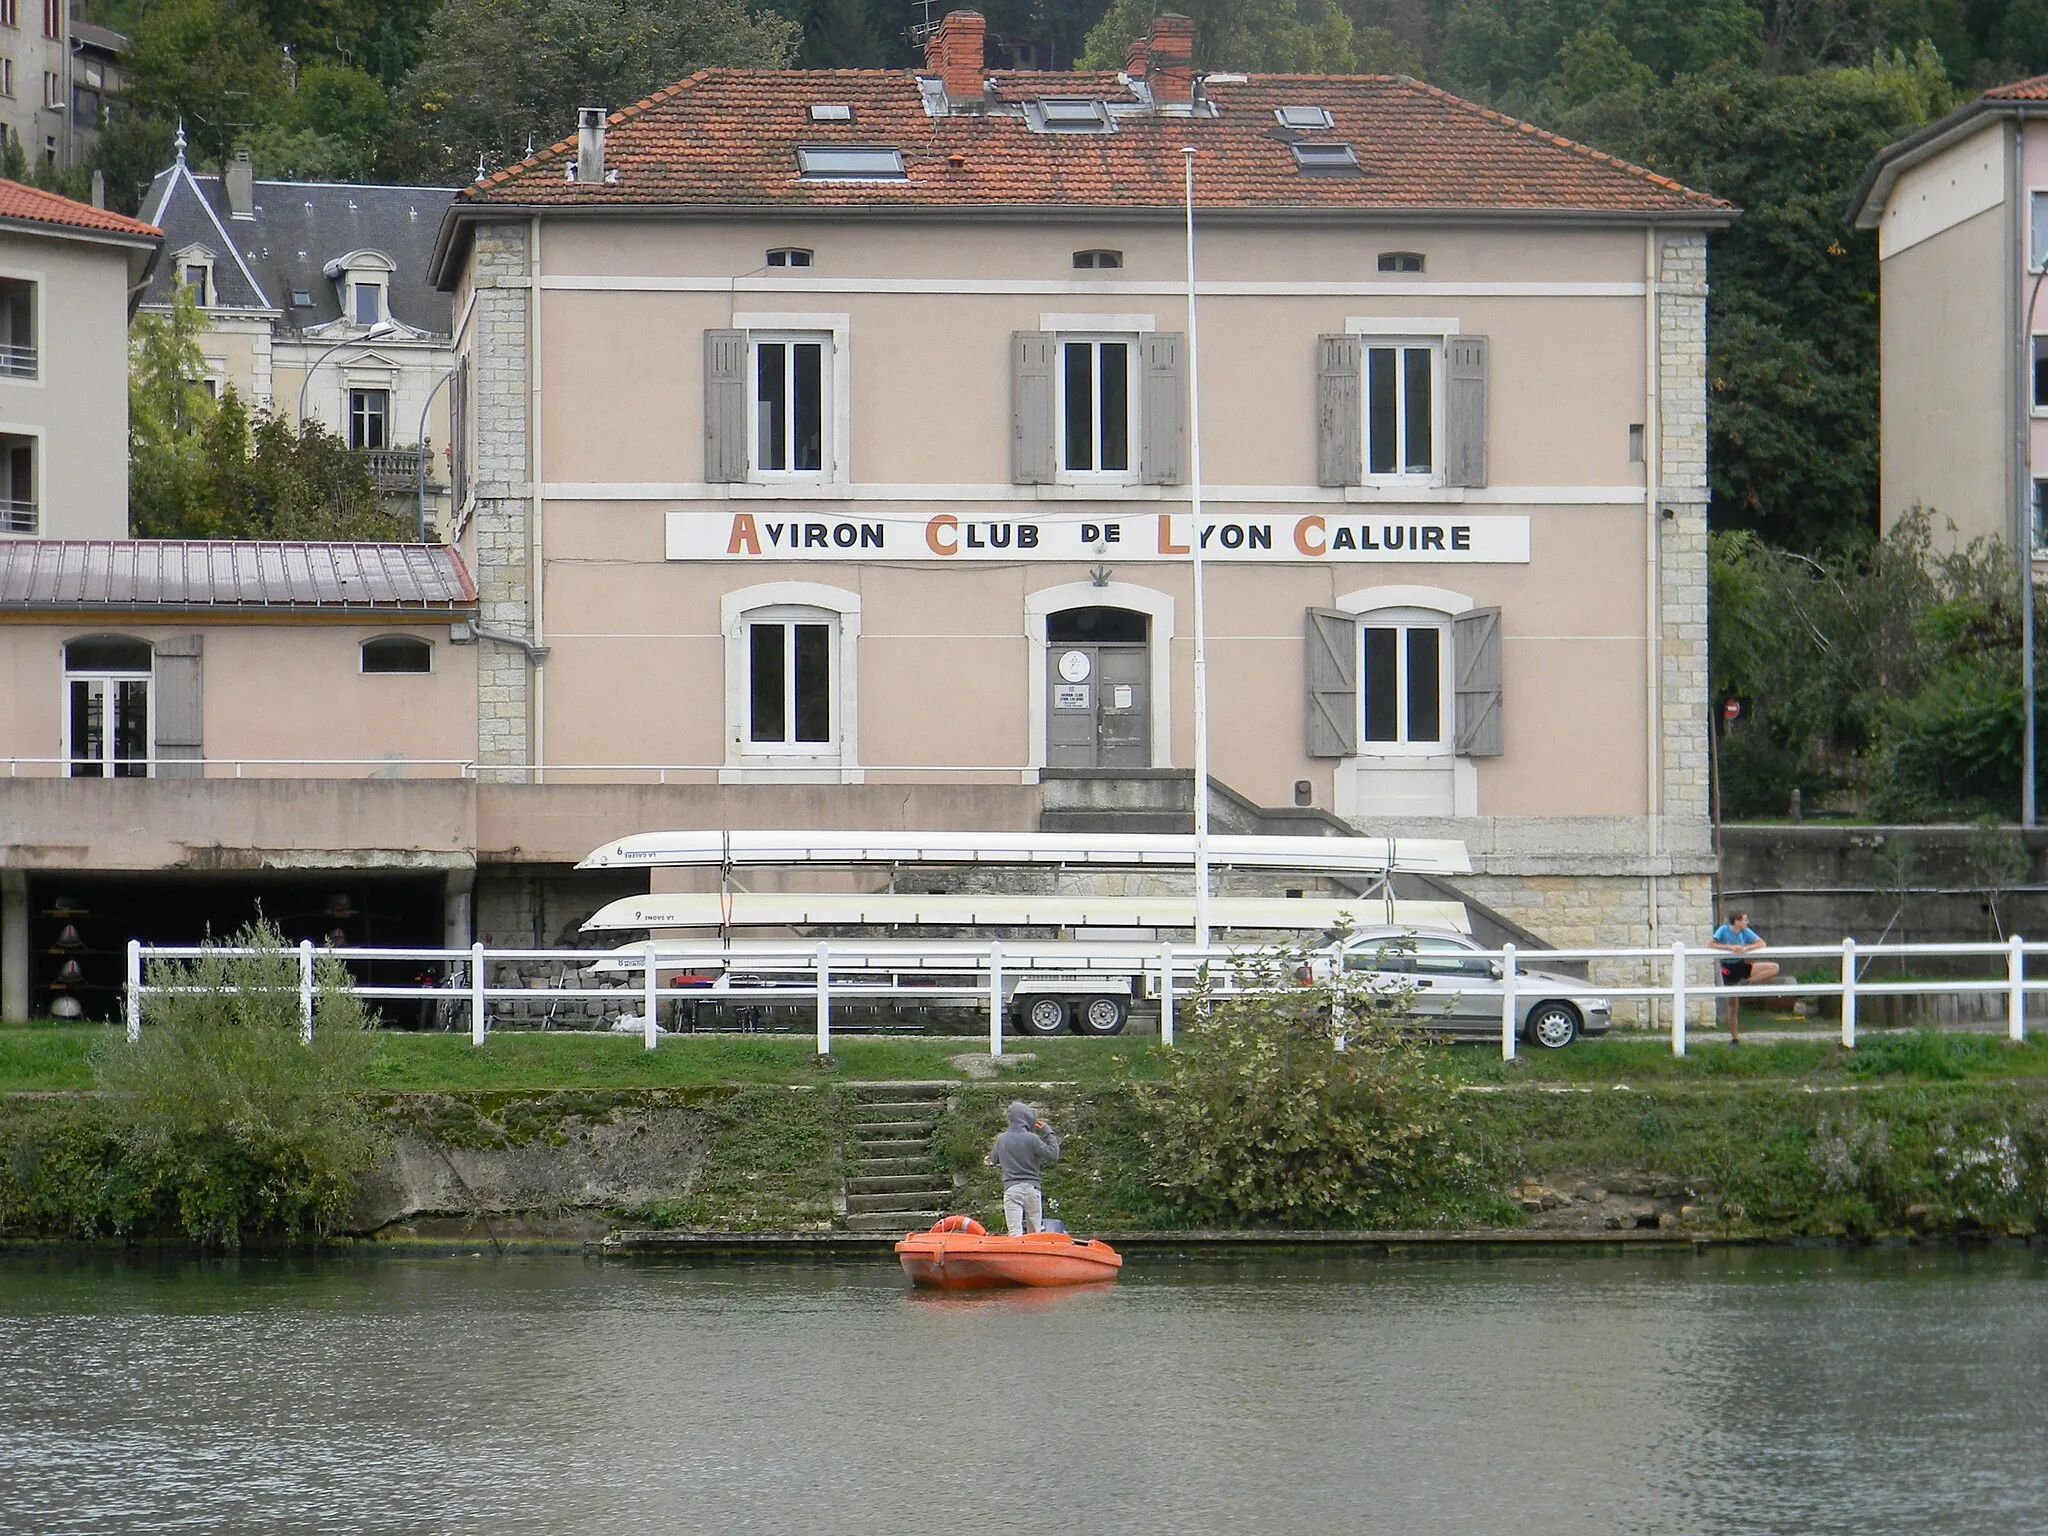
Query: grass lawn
<point x="53" y="1057"/>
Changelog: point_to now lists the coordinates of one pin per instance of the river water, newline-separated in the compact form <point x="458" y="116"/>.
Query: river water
<point x="1738" y="1391"/>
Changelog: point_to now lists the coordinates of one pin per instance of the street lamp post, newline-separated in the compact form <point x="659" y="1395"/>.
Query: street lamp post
<point x="1195" y="546"/>
<point x="382" y="328"/>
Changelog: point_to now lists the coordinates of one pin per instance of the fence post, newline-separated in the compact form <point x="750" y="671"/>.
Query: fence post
<point x="1848" y="994"/>
<point x="995" y="998"/>
<point x="824" y="999"/>
<point x="2016" y="999"/>
<point x="1166" y="995"/>
<point x="476" y="993"/>
<point x="1678" y="998"/>
<point x="1508" y="1010"/>
<point x="134" y="990"/>
<point x="306" y="990"/>
<point x="650" y="1000"/>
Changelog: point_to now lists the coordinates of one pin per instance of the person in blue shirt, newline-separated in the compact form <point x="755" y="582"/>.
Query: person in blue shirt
<point x="1740" y="940"/>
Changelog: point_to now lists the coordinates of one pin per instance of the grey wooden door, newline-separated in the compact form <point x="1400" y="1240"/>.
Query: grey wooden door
<point x="1098" y="706"/>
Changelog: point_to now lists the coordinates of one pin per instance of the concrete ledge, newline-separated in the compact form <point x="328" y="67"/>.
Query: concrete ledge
<point x="641" y="1241"/>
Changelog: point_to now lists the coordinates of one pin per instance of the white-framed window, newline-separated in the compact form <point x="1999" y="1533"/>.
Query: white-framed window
<point x="789" y="256"/>
<point x="7" y="76"/>
<point x="53" y="91"/>
<point x="1404" y="682"/>
<point x="2037" y="230"/>
<point x="2040" y="519"/>
<point x="369" y="418"/>
<point x="367" y="302"/>
<point x="1096" y="393"/>
<point x="107" y="707"/>
<point x="18" y="340"/>
<point x="18" y="491"/>
<point x="1401" y="407"/>
<point x="2041" y="373"/>
<point x="789" y="429"/>
<point x="791" y="682"/>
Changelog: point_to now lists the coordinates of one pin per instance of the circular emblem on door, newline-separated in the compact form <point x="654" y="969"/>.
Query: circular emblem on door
<point x="1074" y="666"/>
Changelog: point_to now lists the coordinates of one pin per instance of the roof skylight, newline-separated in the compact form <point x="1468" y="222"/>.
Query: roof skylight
<point x="850" y="162"/>
<point x="1304" y="117"/>
<point x="1070" y="114"/>
<point x="831" y="112"/>
<point x="1326" y="159"/>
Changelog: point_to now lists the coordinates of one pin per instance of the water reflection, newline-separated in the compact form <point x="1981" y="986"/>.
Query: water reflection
<point x="1744" y="1391"/>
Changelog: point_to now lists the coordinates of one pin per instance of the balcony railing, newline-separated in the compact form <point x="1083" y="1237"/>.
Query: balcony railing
<point x="18" y="517"/>
<point x="17" y="362"/>
<point x="395" y="469"/>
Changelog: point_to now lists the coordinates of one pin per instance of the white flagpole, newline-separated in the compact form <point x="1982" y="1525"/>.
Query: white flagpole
<point x="1195" y="543"/>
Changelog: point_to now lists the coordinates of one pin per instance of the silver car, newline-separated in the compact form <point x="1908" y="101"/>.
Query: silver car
<point x="1457" y="987"/>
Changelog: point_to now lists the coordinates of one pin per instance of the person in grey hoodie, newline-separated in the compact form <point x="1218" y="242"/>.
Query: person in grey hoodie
<point x="1023" y="1152"/>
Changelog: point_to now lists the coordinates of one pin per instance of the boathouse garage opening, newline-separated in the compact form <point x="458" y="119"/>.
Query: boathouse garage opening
<point x="1098" y="682"/>
<point x="80" y="925"/>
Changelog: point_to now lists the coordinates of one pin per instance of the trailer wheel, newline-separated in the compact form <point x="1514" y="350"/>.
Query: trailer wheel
<point x="1102" y="1016"/>
<point x="1042" y="1015"/>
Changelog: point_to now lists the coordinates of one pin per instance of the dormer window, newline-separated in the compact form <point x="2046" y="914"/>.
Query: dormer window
<point x="367" y="305"/>
<point x="789" y="256"/>
<point x="363" y="283"/>
<point x="1097" y="261"/>
<point x="195" y="271"/>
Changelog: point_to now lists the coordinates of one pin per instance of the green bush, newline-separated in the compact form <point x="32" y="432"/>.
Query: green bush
<point x="229" y="1125"/>
<point x="1306" y="1106"/>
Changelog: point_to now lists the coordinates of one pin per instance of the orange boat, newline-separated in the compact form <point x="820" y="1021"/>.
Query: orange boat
<point x="960" y="1254"/>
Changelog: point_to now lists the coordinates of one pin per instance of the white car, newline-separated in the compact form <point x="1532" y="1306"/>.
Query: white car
<point x="1457" y="986"/>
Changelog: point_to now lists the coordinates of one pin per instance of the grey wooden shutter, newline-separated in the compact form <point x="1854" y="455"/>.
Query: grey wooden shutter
<point x="1340" y="419"/>
<point x="1332" y="674"/>
<point x="1475" y="650"/>
<point x="1465" y="410"/>
<point x="177" y="706"/>
<point x="725" y="406"/>
<point x="1162" y="455"/>
<point x="1033" y="460"/>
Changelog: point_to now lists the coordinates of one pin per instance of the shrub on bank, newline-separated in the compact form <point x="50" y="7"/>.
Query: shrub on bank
<point x="221" y="1124"/>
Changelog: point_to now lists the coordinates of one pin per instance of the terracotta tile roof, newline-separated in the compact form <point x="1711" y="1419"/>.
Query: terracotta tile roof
<point x="2035" y="89"/>
<point x="212" y="575"/>
<point x="32" y="205"/>
<point x="729" y="138"/>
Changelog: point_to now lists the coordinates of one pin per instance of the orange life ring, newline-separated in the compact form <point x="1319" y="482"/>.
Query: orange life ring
<point x="966" y="1224"/>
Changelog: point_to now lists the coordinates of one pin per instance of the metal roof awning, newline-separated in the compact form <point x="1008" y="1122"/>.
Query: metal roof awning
<point x="743" y="909"/>
<point x="752" y="849"/>
<point x="232" y="575"/>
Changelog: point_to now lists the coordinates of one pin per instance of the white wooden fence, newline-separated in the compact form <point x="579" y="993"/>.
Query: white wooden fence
<point x="1678" y="982"/>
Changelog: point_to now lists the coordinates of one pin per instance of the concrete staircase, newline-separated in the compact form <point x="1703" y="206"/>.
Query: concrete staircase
<point x="891" y="1185"/>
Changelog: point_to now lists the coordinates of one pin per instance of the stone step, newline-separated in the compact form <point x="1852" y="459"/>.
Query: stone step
<point x="896" y="1148"/>
<point x="891" y="1221"/>
<point x="899" y="1184"/>
<point x="884" y="1167"/>
<point x="872" y="1114"/>
<point x="887" y="1130"/>
<point x="902" y="1200"/>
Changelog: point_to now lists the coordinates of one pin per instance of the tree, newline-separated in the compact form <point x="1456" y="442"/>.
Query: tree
<point x="201" y="469"/>
<point x="209" y="63"/>
<point x="1275" y="36"/>
<point x="331" y="127"/>
<point x="497" y="73"/>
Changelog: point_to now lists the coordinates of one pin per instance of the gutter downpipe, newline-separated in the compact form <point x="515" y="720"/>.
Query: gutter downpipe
<point x="2023" y="417"/>
<point x="1201" y="678"/>
<point x="536" y="574"/>
<point x="1653" y="438"/>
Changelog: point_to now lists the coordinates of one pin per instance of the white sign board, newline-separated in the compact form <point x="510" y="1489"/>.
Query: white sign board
<point x="1371" y="538"/>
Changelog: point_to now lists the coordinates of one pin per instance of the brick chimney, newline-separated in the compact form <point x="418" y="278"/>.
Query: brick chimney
<point x="1134" y="58"/>
<point x="953" y="53"/>
<point x="1170" y="60"/>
